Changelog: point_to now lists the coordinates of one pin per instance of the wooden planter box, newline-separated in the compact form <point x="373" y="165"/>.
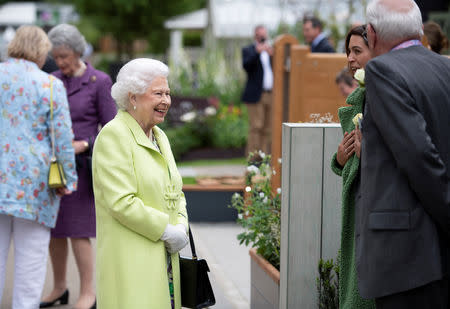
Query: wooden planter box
<point x="265" y="283"/>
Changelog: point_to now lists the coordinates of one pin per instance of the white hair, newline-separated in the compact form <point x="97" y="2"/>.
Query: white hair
<point x="68" y="36"/>
<point x="135" y="77"/>
<point x="391" y="25"/>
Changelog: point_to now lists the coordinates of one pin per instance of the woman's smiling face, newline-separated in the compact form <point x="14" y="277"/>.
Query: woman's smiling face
<point x="153" y="105"/>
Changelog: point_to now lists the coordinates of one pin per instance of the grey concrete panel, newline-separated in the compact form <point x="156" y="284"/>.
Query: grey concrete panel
<point x="285" y="195"/>
<point x="332" y="201"/>
<point x="310" y="209"/>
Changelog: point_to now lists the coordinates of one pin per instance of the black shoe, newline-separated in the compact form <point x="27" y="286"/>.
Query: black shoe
<point x="63" y="300"/>
<point x="94" y="306"/>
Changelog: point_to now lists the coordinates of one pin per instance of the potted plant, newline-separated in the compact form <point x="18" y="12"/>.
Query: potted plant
<point x="259" y="211"/>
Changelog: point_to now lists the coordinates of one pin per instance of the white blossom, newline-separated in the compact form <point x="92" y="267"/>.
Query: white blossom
<point x="262" y="154"/>
<point x="210" y="111"/>
<point x="240" y="216"/>
<point x="279" y="190"/>
<point x="279" y="160"/>
<point x="188" y="117"/>
<point x="261" y="194"/>
<point x="236" y="195"/>
<point x="274" y="171"/>
<point x="265" y="200"/>
<point x="248" y="189"/>
<point x="252" y="169"/>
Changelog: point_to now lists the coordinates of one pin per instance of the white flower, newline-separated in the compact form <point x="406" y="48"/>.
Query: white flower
<point x="279" y="190"/>
<point x="356" y="119"/>
<point x="252" y="169"/>
<point x="274" y="172"/>
<point x="279" y="160"/>
<point x="210" y="111"/>
<point x="246" y="213"/>
<point x="265" y="200"/>
<point x="248" y="189"/>
<point x="236" y="195"/>
<point x="261" y="194"/>
<point x="188" y="117"/>
<point x="240" y="216"/>
<point x="359" y="76"/>
<point x="262" y="154"/>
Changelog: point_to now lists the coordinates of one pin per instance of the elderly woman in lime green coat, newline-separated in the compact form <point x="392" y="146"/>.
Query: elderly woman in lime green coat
<point x="140" y="208"/>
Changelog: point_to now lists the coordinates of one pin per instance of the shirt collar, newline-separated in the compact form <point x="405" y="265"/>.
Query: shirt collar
<point x="318" y="38"/>
<point x="407" y="44"/>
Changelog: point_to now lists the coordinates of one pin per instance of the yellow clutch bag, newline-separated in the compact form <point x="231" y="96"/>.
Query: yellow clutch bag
<point x="56" y="177"/>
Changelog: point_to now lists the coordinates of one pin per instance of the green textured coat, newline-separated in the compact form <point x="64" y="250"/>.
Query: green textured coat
<point x="349" y="297"/>
<point x="137" y="193"/>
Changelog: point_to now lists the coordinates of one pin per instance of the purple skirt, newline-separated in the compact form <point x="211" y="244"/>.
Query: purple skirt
<point x="76" y="217"/>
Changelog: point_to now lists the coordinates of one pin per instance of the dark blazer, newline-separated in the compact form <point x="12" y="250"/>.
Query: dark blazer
<point x="255" y="73"/>
<point x="402" y="216"/>
<point x="323" y="47"/>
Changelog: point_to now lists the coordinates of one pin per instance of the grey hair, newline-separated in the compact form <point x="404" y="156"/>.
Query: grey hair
<point x="68" y="36"/>
<point x="392" y="25"/>
<point x="135" y="77"/>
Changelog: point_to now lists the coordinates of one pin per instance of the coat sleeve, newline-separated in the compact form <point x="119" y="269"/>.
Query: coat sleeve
<point x="115" y="185"/>
<point x="403" y="129"/>
<point x="63" y="134"/>
<point x="249" y="58"/>
<point x="182" y="217"/>
<point x="335" y="166"/>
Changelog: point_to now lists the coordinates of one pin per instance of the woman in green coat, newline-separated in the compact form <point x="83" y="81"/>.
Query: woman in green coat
<point x="140" y="208"/>
<point x="345" y="163"/>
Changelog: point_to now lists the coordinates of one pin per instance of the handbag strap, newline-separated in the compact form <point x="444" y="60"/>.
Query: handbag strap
<point x="191" y="241"/>
<point x="52" y="129"/>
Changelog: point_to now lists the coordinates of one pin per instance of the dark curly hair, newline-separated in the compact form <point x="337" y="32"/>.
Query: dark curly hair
<point x="358" y="30"/>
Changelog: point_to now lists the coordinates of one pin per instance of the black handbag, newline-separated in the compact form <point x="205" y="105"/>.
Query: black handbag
<point x="196" y="290"/>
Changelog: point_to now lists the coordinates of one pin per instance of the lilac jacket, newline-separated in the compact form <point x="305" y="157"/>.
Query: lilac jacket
<point x="90" y="102"/>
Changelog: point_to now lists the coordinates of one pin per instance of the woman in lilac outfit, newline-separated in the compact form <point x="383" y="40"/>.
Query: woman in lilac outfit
<point x="91" y="106"/>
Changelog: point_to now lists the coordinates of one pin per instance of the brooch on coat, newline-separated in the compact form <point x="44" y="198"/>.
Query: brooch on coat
<point x="172" y="195"/>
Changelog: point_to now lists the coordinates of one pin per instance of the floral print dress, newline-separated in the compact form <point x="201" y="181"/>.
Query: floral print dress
<point x="25" y="141"/>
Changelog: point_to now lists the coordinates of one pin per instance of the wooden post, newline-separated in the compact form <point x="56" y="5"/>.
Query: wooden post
<point x="280" y="97"/>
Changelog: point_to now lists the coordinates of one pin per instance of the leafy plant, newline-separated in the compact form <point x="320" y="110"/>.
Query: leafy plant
<point x="229" y="129"/>
<point x="259" y="210"/>
<point x="328" y="284"/>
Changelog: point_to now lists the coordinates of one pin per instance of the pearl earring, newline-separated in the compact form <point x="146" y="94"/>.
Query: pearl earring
<point x="134" y="107"/>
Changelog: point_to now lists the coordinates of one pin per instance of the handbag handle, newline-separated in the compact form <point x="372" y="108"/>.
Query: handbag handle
<point x="52" y="129"/>
<point x="191" y="241"/>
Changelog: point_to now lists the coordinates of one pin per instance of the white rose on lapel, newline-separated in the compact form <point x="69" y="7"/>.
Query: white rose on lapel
<point x="357" y="120"/>
<point x="359" y="76"/>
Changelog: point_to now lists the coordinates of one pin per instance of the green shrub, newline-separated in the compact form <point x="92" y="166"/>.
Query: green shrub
<point x="259" y="210"/>
<point x="182" y="139"/>
<point x="328" y="285"/>
<point x="229" y="128"/>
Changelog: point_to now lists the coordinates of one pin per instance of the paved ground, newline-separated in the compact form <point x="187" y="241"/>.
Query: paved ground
<point x="212" y="171"/>
<point x="229" y="263"/>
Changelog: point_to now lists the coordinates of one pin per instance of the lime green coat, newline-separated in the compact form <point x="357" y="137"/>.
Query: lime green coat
<point x="137" y="193"/>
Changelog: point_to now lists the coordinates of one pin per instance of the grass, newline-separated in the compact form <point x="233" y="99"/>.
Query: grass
<point x="189" y="181"/>
<point x="213" y="162"/>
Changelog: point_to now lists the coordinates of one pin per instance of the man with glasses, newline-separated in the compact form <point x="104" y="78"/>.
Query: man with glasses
<point x="403" y="205"/>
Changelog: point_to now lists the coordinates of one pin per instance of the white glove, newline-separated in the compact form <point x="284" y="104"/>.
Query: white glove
<point x="175" y="237"/>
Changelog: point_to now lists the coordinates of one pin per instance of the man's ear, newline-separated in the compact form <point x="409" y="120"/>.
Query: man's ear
<point x="371" y="37"/>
